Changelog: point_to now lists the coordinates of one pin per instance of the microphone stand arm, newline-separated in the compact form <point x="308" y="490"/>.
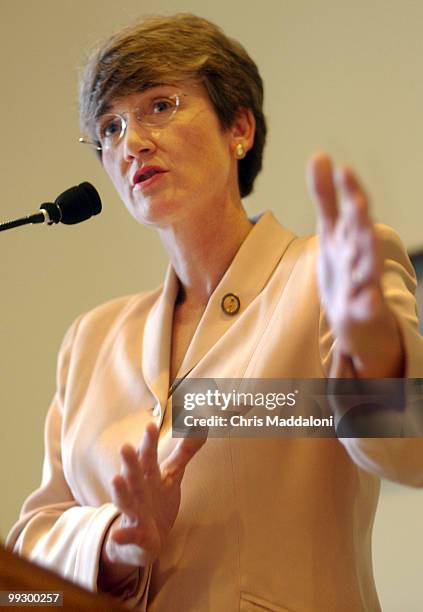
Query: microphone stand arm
<point x="40" y="217"/>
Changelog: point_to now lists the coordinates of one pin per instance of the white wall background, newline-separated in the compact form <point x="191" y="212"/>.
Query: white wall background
<point x="341" y="76"/>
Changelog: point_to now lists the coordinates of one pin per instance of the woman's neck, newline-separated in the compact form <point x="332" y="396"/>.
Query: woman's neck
<point x="201" y="252"/>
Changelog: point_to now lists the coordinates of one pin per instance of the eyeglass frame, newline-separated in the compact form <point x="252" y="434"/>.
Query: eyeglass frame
<point x="97" y="146"/>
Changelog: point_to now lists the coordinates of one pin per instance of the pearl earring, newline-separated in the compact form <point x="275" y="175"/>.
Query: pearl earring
<point x="239" y="151"/>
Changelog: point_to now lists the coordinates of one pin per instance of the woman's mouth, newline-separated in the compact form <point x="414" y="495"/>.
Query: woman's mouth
<point x="144" y="177"/>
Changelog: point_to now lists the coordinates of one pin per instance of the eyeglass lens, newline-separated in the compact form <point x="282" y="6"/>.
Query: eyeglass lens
<point x="153" y="112"/>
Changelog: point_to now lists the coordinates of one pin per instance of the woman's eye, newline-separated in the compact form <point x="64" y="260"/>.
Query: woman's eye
<point x="161" y="106"/>
<point x="111" y="128"/>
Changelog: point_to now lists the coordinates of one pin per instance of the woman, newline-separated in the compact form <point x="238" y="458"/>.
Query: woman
<point x="174" y="109"/>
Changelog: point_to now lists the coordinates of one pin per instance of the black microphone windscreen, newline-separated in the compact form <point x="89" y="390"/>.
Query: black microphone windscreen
<point x="78" y="203"/>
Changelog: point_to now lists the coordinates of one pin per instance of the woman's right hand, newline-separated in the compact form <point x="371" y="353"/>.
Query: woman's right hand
<point x="148" y="496"/>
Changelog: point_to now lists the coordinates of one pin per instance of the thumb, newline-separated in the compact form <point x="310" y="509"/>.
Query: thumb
<point x="184" y="451"/>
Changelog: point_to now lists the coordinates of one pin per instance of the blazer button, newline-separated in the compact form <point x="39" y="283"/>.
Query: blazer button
<point x="230" y="304"/>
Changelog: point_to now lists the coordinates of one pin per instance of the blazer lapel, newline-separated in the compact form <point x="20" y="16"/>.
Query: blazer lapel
<point x="157" y="340"/>
<point x="247" y="275"/>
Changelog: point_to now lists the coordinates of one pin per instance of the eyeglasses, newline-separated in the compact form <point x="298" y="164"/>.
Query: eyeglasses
<point x="110" y="128"/>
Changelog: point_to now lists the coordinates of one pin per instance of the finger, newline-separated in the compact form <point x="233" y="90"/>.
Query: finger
<point x="132" y="472"/>
<point x="129" y="457"/>
<point x="181" y="455"/>
<point x="369" y="261"/>
<point x="354" y="219"/>
<point x="147" y="450"/>
<point x="131" y="554"/>
<point x="131" y="469"/>
<point x="321" y="186"/>
<point x="347" y="180"/>
<point x="131" y="535"/>
<point x="352" y="194"/>
<point x="353" y="225"/>
<point x="121" y="496"/>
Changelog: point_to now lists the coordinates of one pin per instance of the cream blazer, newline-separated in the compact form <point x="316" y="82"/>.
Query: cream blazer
<point x="280" y="524"/>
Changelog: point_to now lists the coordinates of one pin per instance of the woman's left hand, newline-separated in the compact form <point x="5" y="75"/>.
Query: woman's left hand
<point x="349" y="272"/>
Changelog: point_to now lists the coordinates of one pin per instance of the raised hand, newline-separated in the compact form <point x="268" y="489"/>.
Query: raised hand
<point x="349" y="271"/>
<point x="148" y="496"/>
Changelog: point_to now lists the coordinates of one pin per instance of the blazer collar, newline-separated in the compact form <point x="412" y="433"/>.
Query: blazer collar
<point x="247" y="275"/>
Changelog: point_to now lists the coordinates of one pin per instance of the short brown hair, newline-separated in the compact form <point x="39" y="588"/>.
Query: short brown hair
<point x="162" y="50"/>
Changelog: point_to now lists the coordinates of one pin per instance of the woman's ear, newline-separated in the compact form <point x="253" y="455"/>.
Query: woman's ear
<point x="242" y="132"/>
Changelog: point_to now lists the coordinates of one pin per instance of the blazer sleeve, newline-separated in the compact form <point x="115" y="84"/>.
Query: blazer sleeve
<point x="54" y="530"/>
<point x="396" y="458"/>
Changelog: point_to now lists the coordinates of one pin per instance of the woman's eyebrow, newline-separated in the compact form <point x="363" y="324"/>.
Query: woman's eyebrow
<point x="105" y="107"/>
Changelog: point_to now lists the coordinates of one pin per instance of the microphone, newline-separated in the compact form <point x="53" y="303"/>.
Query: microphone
<point x="72" y="206"/>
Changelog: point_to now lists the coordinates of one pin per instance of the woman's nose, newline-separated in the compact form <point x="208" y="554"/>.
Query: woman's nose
<point x="137" y="139"/>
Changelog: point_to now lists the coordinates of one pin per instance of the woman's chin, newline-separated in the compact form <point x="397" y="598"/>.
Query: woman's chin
<point x="155" y="212"/>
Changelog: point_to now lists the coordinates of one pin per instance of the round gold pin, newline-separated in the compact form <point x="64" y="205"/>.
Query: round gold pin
<point x="230" y="304"/>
